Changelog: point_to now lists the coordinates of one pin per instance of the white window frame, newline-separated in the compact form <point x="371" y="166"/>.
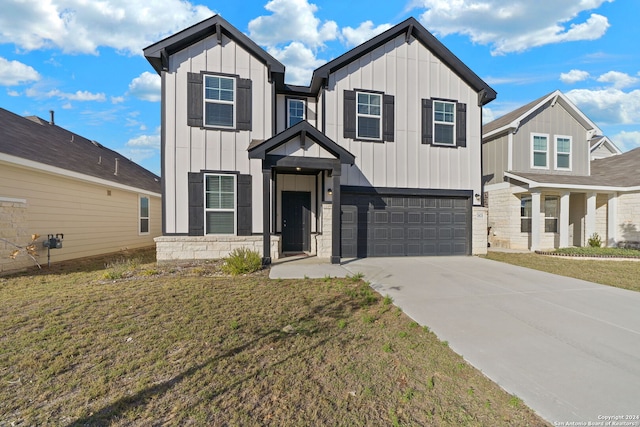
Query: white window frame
<point x="533" y="151"/>
<point x="451" y="124"/>
<point x="304" y="110"/>
<point x="141" y="217"/>
<point x="216" y="101"/>
<point x="379" y="116"/>
<point x="557" y="137"/>
<point x="235" y="205"/>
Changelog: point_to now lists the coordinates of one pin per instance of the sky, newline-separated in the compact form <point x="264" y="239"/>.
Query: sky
<point x="83" y="59"/>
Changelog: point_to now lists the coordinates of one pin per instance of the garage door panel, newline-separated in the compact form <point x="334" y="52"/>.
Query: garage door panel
<point x="374" y="225"/>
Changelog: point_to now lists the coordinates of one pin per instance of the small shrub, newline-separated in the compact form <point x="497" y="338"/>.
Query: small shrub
<point x="595" y="241"/>
<point x="242" y="261"/>
<point x="387" y="300"/>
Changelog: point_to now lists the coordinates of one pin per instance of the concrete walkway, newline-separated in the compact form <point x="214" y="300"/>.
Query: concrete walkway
<point x="299" y="267"/>
<point x="569" y="349"/>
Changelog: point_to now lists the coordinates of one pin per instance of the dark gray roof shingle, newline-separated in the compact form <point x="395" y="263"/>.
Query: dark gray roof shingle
<point x="37" y="140"/>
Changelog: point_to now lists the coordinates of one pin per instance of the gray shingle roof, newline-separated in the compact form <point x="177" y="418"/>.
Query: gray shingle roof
<point x="37" y="140"/>
<point x="509" y="117"/>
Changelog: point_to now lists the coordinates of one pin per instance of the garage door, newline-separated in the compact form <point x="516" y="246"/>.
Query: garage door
<point x="394" y="225"/>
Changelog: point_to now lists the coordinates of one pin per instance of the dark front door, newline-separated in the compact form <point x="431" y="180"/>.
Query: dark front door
<point x="296" y="221"/>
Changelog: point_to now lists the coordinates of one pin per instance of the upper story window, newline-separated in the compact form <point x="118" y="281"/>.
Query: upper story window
<point x="540" y="151"/>
<point x="295" y="111"/>
<point x="563" y="152"/>
<point x="220" y="204"/>
<point x="219" y="105"/>
<point x="444" y="122"/>
<point x="369" y="113"/>
<point x="144" y="215"/>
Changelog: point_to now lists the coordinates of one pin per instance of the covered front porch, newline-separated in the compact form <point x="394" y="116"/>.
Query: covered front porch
<point x="301" y="170"/>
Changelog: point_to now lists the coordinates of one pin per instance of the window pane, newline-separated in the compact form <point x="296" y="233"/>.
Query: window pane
<point x="563" y="161"/>
<point x="226" y="200"/>
<point x="540" y="159"/>
<point x="226" y="183"/>
<point x="144" y="225"/>
<point x="368" y="127"/>
<point x="444" y="134"/>
<point x="551" y="225"/>
<point x="443" y="112"/>
<point x="525" y="207"/>
<point x="218" y="114"/>
<point x="540" y="143"/>
<point x="564" y="145"/>
<point x="220" y="222"/>
<point x="144" y="207"/>
<point x="525" y="225"/>
<point x="213" y="183"/>
<point x="296" y="111"/>
<point x="212" y="200"/>
<point x="551" y="207"/>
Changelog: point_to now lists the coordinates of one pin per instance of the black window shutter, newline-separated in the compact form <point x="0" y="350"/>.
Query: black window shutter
<point x="427" y="121"/>
<point x="196" y="204"/>
<point x="349" y="114"/>
<point x="244" y="205"/>
<point x="243" y="106"/>
<point x="194" y="99"/>
<point x="388" y="116"/>
<point x="461" y="124"/>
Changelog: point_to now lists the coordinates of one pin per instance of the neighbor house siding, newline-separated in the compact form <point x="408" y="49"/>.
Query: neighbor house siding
<point x="409" y="72"/>
<point x="553" y="121"/>
<point x="92" y="220"/>
<point x="628" y="217"/>
<point x="495" y="157"/>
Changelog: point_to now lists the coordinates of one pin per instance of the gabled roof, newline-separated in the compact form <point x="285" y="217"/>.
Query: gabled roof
<point x="616" y="173"/>
<point x="512" y="120"/>
<point x="37" y="140"/>
<point x="158" y="53"/>
<point x="409" y="27"/>
<point x="303" y="129"/>
<point x="601" y="140"/>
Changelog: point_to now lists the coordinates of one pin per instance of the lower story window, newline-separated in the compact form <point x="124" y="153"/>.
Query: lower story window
<point x="220" y="203"/>
<point x="144" y="214"/>
<point x="551" y="214"/>
<point x="525" y="214"/>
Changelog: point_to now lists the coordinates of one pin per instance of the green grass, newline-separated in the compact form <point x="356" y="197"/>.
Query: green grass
<point x="621" y="274"/>
<point x="188" y="345"/>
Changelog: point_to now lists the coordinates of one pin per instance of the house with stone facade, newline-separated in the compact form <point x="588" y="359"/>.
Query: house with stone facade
<point x="542" y="188"/>
<point x="378" y="156"/>
<point x="53" y="181"/>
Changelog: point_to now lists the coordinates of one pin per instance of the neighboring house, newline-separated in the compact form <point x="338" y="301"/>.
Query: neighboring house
<point x="53" y="181"/>
<point x="541" y="186"/>
<point x="378" y="156"/>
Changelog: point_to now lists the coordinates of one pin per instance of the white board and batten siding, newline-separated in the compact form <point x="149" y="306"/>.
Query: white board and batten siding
<point x="192" y="149"/>
<point x="409" y="72"/>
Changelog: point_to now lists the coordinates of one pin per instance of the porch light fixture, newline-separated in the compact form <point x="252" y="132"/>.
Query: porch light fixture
<point x="329" y="191"/>
<point x="298" y="169"/>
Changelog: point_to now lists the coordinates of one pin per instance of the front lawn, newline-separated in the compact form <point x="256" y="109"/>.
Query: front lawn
<point x="137" y="344"/>
<point x="621" y="274"/>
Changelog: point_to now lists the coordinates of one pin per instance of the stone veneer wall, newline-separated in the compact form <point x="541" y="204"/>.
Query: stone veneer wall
<point x="628" y="218"/>
<point x="182" y="248"/>
<point x="602" y="201"/>
<point x="479" y="224"/>
<point x="13" y="228"/>
<point x="323" y="240"/>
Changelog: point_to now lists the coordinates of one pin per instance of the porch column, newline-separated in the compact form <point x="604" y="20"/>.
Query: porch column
<point x="563" y="227"/>
<point x="612" y="215"/>
<point x="535" y="220"/>
<point x="590" y="218"/>
<point x="335" y="216"/>
<point x="266" y="223"/>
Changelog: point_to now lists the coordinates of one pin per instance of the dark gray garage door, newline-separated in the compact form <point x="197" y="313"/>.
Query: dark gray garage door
<point x="379" y="225"/>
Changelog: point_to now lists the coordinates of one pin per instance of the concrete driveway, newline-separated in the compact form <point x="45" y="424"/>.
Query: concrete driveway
<point x="569" y="349"/>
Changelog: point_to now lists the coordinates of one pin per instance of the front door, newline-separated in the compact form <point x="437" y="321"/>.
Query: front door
<point x="296" y="221"/>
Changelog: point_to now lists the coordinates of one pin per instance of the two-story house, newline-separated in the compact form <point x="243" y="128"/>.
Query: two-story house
<point x="542" y="188"/>
<point x="379" y="156"/>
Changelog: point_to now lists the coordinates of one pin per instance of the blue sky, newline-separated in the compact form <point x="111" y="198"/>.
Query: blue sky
<point x="84" y="59"/>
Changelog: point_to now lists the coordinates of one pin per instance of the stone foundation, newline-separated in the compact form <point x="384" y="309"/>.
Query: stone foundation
<point x="323" y="240"/>
<point x="479" y="224"/>
<point x="183" y="248"/>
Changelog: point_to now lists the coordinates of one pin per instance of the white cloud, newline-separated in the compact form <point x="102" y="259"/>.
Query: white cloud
<point x="80" y="95"/>
<point x="514" y="25"/>
<point x="608" y="106"/>
<point x="146" y="87"/>
<point x="143" y="147"/>
<point x="574" y="76"/>
<point x="80" y="26"/>
<point x="13" y="93"/>
<point x="364" y="32"/>
<point x="618" y="80"/>
<point x="292" y="20"/>
<point x="627" y="140"/>
<point x="13" y="73"/>
<point x="117" y="99"/>
<point x="300" y="60"/>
